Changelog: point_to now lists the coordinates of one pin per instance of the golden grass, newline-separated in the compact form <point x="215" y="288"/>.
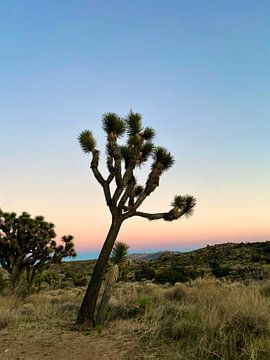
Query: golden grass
<point x="203" y="320"/>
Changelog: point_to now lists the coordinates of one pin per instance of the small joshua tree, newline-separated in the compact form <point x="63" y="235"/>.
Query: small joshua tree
<point x="27" y="245"/>
<point x="125" y="200"/>
<point x="118" y="262"/>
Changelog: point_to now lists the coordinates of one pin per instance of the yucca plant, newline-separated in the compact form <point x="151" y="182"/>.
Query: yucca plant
<point x="118" y="261"/>
<point x="127" y="196"/>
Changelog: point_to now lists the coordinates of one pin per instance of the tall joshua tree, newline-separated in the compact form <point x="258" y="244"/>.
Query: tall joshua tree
<point x="124" y="201"/>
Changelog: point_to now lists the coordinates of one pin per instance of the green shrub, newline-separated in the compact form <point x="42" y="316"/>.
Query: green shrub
<point x="219" y="271"/>
<point x="175" y="274"/>
<point x="50" y="277"/>
<point x="144" y="272"/>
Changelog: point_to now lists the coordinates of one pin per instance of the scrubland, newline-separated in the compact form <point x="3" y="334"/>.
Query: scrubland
<point x="205" y="319"/>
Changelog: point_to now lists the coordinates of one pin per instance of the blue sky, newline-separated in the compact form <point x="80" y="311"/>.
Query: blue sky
<point x="199" y="73"/>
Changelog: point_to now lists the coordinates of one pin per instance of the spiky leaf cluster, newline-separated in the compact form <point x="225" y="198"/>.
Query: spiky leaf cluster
<point x="185" y="204"/>
<point x="148" y="133"/>
<point x="162" y="157"/>
<point x="119" y="253"/>
<point x="87" y="141"/>
<point x="113" y="124"/>
<point x="146" y="151"/>
<point x="133" y="124"/>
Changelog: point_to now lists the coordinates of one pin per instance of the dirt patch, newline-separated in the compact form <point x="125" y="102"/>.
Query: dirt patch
<point x="64" y="344"/>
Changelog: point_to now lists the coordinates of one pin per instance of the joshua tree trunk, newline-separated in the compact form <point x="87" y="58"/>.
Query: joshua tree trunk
<point x="15" y="276"/>
<point x="86" y="316"/>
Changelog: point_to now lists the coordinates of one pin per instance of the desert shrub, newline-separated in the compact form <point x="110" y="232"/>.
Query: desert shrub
<point x="219" y="271"/>
<point x="256" y="257"/>
<point x="181" y="323"/>
<point x="56" y="300"/>
<point x="80" y="281"/>
<point x="144" y="272"/>
<point x="145" y="302"/>
<point x="66" y="309"/>
<point x="244" y="324"/>
<point x="120" y="310"/>
<point x="49" y="277"/>
<point x="211" y="320"/>
<point x="27" y="309"/>
<point x="8" y="311"/>
<point x="236" y="337"/>
<point x="178" y="292"/>
<point x="175" y="274"/>
<point x="23" y="290"/>
<point x="7" y="318"/>
<point x="265" y="289"/>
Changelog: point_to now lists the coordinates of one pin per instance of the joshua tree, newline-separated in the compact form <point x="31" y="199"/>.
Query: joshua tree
<point x="127" y="196"/>
<point x="118" y="261"/>
<point x="27" y="245"/>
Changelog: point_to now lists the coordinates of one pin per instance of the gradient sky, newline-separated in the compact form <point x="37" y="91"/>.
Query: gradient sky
<point x="198" y="72"/>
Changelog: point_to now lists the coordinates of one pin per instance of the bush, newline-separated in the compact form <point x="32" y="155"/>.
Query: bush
<point x="219" y="271"/>
<point x="120" y="310"/>
<point x="27" y="309"/>
<point x="80" y="281"/>
<point x="144" y="272"/>
<point x="178" y="292"/>
<point x="175" y="274"/>
<point x="181" y="323"/>
<point x="49" y="277"/>
<point x="265" y="290"/>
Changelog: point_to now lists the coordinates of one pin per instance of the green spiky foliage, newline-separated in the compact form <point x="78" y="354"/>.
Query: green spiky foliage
<point x="185" y="204"/>
<point x="122" y="193"/>
<point x="134" y="124"/>
<point x="162" y="158"/>
<point x="113" y="124"/>
<point x="148" y="133"/>
<point x="27" y="245"/>
<point x="119" y="253"/>
<point x="87" y="141"/>
<point x="146" y="151"/>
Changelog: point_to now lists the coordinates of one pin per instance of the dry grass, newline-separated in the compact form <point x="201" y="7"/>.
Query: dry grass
<point x="204" y="320"/>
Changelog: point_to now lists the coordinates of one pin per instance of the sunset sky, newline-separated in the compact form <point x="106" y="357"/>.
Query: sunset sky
<point x="197" y="71"/>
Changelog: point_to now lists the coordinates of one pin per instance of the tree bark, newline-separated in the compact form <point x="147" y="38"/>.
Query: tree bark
<point x="15" y="276"/>
<point x="86" y="315"/>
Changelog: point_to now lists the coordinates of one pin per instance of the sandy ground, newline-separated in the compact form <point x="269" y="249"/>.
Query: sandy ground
<point x="64" y="344"/>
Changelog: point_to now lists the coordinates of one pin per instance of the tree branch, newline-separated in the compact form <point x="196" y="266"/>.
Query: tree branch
<point x="99" y="177"/>
<point x="148" y="216"/>
<point x="171" y="215"/>
<point x="126" y="194"/>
